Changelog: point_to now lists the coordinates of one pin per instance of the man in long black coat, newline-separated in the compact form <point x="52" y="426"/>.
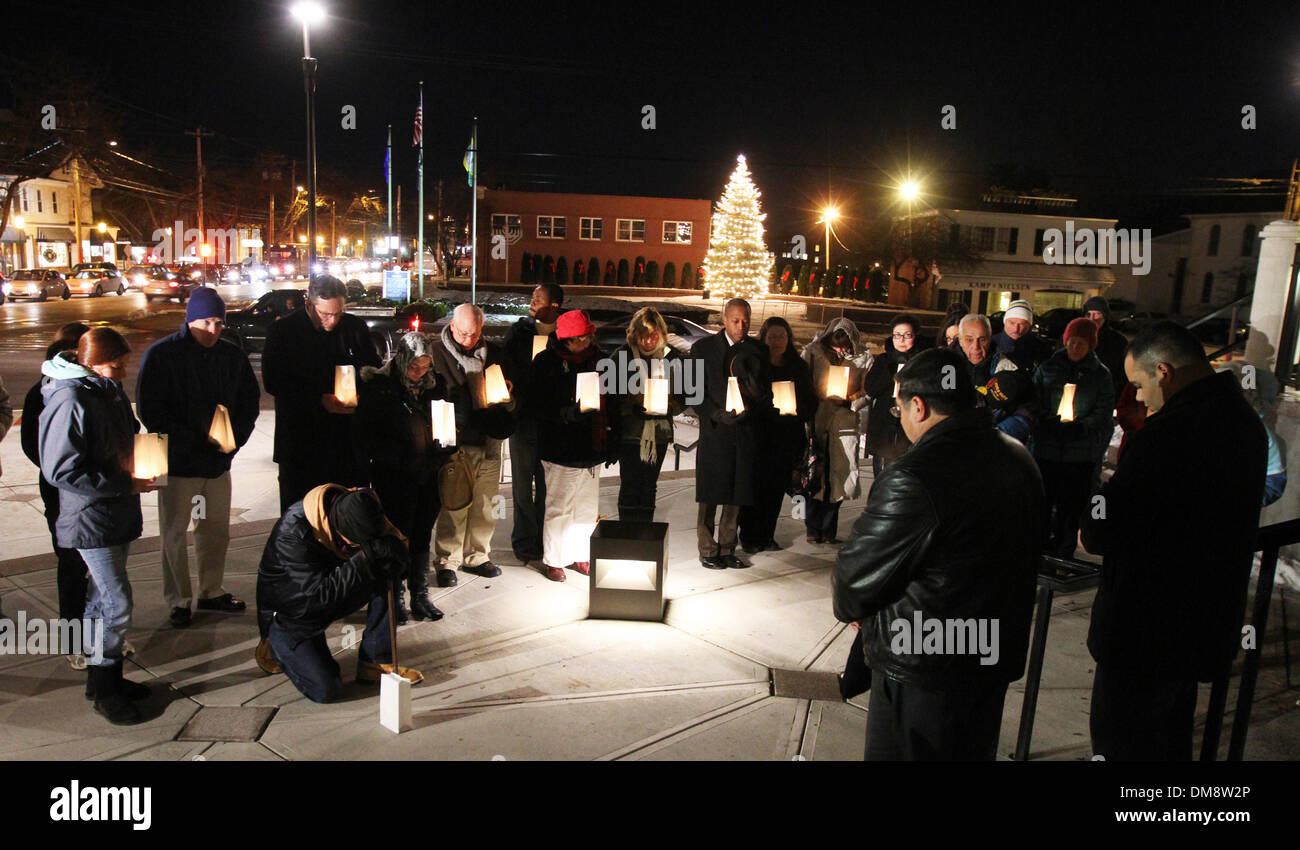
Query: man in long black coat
<point x="724" y="459"/>
<point x="313" y="429"/>
<point x="1176" y="527"/>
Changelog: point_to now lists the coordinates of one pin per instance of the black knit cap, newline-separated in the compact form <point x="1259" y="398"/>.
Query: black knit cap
<point x="358" y="516"/>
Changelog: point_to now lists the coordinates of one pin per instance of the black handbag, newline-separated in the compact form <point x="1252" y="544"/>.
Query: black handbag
<point x="809" y="476"/>
<point x="856" y="678"/>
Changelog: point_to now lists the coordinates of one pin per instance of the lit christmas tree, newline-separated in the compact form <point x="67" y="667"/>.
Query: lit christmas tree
<point x="738" y="264"/>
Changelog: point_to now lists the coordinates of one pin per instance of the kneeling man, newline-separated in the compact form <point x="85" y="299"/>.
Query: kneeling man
<point x="329" y="554"/>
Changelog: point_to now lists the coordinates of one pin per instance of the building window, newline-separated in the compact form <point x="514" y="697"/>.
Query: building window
<point x="1207" y="286"/>
<point x="506" y="224"/>
<point x="22" y="196"/>
<point x="591" y="229"/>
<point x="1243" y="285"/>
<point x="1214" y="241"/>
<point x="983" y="238"/>
<point x="1248" y="240"/>
<point x="551" y="227"/>
<point x="677" y="232"/>
<point x="54" y="201"/>
<point x="631" y="230"/>
<point x="38" y="200"/>
<point x="1039" y="241"/>
<point x="1014" y="241"/>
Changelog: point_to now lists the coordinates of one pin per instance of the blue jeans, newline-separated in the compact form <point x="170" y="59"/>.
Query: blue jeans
<point x="108" y="600"/>
<point x="311" y="667"/>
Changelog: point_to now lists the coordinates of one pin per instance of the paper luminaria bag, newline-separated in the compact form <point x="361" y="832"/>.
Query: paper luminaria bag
<point x="656" y="396"/>
<point x="494" y="385"/>
<point x="444" y="422"/>
<point x="837" y="382"/>
<point x="1066" y="409"/>
<point x="735" y="404"/>
<point x="784" y="399"/>
<point x="539" y="344"/>
<point x="345" y="385"/>
<point x="221" y="431"/>
<point x="150" y="459"/>
<point x="587" y="391"/>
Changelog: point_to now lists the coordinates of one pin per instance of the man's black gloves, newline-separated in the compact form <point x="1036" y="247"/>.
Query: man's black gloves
<point x="572" y="413"/>
<point x="387" y="556"/>
<point x="726" y="417"/>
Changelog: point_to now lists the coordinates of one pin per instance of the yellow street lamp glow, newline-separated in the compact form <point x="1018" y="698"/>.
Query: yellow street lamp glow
<point x="302" y="237"/>
<point x="320" y="238"/>
<point x="103" y="228"/>
<point x="112" y="144"/>
<point x="19" y="222"/>
<point x="206" y="249"/>
<point x="909" y="190"/>
<point x="308" y="13"/>
<point x="830" y="215"/>
<point x="300" y="189"/>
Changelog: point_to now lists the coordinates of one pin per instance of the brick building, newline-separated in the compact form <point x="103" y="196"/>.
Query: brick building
<point x="579" y="227"/>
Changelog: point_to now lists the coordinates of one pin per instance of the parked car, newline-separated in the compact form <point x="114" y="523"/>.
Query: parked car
<point x="682" y="333"/>
<point x="96" y="283"/>
<point x="1138" y="321"/>
<point x="37" y="284"/>
<point x="1120" y="309"/>
<point x="1051" y="325"/>
<point x="248" y="323"/>
<point x="101" y="266"/>
<point x="176" y="284"/>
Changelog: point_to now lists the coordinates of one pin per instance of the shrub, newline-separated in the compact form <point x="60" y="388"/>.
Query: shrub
<point x="787" y="278"/>
<point x="593" y="272"/>
<point x="609" y="273"/>
<point x="623" y="276"/>
<point x="638" y="272"/>
<point x="548" y="269"/>
<point x="687" y="280"/>
<point x="652" y="273"/>
<point x="562" y="271"/>
<point x="804" y="283"/>
<point x="523" y="267"/>
<point x="670" y="274"/>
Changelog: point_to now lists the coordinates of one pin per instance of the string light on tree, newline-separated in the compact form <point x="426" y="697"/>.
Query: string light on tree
<point x="738" y="264"/>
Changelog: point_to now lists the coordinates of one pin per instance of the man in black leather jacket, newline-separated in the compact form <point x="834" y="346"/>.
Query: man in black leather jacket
<point x="940" y="572"/>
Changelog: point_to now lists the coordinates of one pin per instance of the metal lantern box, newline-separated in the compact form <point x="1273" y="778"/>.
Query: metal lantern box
<point x="627" y="570"/>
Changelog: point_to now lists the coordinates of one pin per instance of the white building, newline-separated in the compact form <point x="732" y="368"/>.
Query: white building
<point x="1199" y="268"/>
<point x="1012" y="245"/>
<point x="44" y="218"/>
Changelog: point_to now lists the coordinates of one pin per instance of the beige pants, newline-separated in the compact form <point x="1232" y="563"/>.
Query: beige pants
<point x="572" y="509"/>
<point x="206" y="502"/>
<point x="465" y="536"/>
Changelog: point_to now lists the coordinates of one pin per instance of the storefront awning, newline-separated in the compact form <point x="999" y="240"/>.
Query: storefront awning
<point x="12" y="234"/>
<point x="54" y="234"/>
<point x="1000" y="274"/>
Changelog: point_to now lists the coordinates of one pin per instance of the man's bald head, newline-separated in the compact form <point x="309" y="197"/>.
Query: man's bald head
<point x="467" y="325"/>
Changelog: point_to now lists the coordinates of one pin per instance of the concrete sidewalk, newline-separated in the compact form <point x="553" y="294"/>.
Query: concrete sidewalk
<point x="515" y="670"/>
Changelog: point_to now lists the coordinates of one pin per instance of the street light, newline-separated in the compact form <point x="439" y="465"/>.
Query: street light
<point x="103" y="228"/>
<point x="20" y="222"/>
<point x="829" y="215"/>
<point x="909" y="190"/>
<point x="310" y="13"/>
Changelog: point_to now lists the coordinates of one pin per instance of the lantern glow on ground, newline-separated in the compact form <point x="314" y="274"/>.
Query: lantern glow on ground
<point x="738" y="264"/>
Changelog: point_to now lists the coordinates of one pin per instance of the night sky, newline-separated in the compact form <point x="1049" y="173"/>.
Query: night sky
<point x="1114" y="105"/>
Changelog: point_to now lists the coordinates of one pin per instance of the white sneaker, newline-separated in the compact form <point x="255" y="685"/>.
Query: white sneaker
<point x="77" y="662"/>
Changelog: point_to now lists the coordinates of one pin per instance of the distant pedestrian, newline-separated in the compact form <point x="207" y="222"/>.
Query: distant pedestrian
<point x="313" y="427"/>
<point x="1176" y="531"/>
<point x="927" y="557"/>
<point x="1068" y="450"/>
<point x="1111" y="344"/>
<point x="836" y="425"/>
<point x="885" y="437"/>
<point x="528" y="483"/>
<point x="643" y="438"/>
<point x="183" y="379"/>
<point x="1016" y="346"/>
<point x="573" y="443"/>
<point x="86" y="448"/>
<point x="395" y="429"/>
<point x="470" y="480"/>
<point x="781" y="439"/>
<point x="71" y="575"/>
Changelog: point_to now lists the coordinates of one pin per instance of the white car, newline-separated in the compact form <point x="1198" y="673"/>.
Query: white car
<point x="94" y="283"/>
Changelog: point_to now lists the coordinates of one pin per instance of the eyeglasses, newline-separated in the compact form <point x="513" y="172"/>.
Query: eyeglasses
<point x="904" y="336"/>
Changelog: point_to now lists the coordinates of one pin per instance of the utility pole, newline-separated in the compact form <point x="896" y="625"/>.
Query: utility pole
<point x="270" y="220"/>
<point x="76" y="210"/>
<point x="198" y="135"/>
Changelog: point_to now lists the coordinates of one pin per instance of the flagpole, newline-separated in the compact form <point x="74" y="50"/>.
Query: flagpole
<point x="421" y="181"/>
<point x="388" y="178"/>
<point x="473" y="246"/>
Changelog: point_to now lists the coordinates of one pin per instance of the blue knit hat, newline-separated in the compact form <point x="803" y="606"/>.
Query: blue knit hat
<point x="205" y="303"/>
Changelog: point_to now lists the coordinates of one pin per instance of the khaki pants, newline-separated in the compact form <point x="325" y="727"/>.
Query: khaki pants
<point x="465" y="536"/>
<point x="176" y="508"/>
<point x="572" y="510"/>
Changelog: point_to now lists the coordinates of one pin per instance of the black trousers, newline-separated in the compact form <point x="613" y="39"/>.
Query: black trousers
<point x="72" y="576"/>
<point x="1138" y="718"/>
<point x="908" y="723"/>
<point x="1068" y="486"/>
<point x="412" y="505"/>
<point x="638" y="482"/>
<point x="822" y="519"/>
<point x="528" y="489"/>
<point x="298" y="477"/>
<point x="771" y="478"/>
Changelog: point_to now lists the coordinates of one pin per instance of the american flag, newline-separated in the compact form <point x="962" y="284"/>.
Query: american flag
<point x="419" y="122"/>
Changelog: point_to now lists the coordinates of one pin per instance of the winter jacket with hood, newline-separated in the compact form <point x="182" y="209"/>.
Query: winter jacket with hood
<point x="394" y="417"/>
<point x="837" y="421"/>
<point x="884" y="431"/>
<point x="177" y="392"/>
<point x="1085" y="439"/>
<point x="305" y="581"/>
<point x="475" y="426"/>
<point x="87" y="450"/>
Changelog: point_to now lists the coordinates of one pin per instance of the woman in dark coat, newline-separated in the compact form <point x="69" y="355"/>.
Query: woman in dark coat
<point x="87" y="446"/>
<point x="780" y="439"/>
<point x="1068" y="451"/>
<point x="885" y="437"/>
<point x="573" y="445"/>
<point x="644" y="438"/>
<point x="394" y="418"/>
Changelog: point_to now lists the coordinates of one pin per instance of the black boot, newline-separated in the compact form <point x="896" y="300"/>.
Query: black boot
<point x="133" y="691"/>
<point x="421" y="607"/>
<point x="403" y="616"/>
<point x="109" y="700"/>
